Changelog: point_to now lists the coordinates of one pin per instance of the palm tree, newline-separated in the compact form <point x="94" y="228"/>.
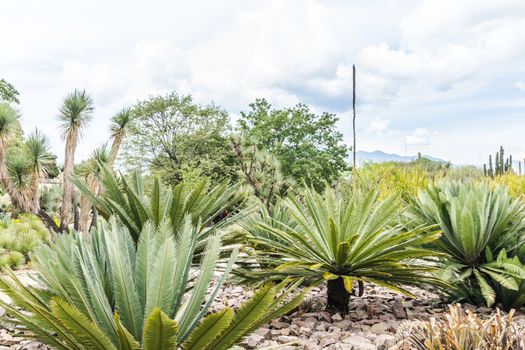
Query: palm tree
<point x="75" y="114"/>
<point x="118" y="128"/>
<point x="40" y="160"/>
<point x="90" y="171"/>
<point x="9" y="131"/>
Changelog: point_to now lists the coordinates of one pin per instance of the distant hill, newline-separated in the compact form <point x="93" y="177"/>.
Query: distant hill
<point x="380" y="156"/>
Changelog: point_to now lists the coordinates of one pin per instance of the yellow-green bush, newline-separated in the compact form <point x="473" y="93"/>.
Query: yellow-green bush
<point x="19" y="237"/>
<point x="515" y="183"/>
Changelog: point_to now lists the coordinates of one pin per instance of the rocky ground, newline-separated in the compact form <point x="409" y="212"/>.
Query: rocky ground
<point x="372" y="323"/>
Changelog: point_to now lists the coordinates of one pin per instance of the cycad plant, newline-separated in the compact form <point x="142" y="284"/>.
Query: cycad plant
<point x="125" y="198"/>
<point x="344" y="240"/>
<point x="101" y="292"/>
<point x="478" y="222"/>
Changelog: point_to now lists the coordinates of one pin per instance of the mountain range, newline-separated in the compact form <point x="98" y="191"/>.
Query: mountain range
<point x="380" y="156"/>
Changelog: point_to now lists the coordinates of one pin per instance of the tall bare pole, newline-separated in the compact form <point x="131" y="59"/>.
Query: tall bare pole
<point x="353" y="123"/>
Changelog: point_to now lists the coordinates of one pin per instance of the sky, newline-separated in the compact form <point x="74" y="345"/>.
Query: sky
<point x="441" y="77"/>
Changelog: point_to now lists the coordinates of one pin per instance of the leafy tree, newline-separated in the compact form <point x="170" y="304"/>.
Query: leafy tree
<point x="8" y="93"/>
<point x="178" y="139"/>
<point x="260" y="171"/>
<point x="307" y="145"/>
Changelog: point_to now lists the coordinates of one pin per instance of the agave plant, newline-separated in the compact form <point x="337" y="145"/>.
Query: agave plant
<point x="344" y="240"/>
<point x="100" y="292"/>
<point x="478" y="222"/>
<point x="458" y="330"/>
<point x="126" y="199"/>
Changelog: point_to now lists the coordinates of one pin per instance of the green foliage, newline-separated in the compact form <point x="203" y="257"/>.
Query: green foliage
<point x="308" y="146"/>
<point x="480" y="225"/>
<point x="8" y="93"/>
<point x="260" y="171"/>
<point x="177" y="139"/>
<point x="126" y="199"/>
<point x="349" y="238"/>
<point x="50" y="199"/>
<point x="102" y="292"/>
<point x="19" y="237"/>
<point x="458" y="330"/>
<point x="76" y="112"/>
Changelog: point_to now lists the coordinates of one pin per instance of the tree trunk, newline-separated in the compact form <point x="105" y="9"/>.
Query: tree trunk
<point x="94" y="218"/>
<point x="68" y="189"/>
<point x="338" y="297"/>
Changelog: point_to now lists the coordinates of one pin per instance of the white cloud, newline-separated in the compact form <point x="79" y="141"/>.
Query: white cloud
<point x="379" y="126"/>
<point x="520" y="85"/>
<point x="420" y="137"/>
<point x="425" y="65"/>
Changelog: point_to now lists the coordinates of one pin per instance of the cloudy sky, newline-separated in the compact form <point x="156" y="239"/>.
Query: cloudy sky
<point x="446" y="78"/>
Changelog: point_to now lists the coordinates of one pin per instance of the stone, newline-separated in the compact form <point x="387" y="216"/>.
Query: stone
<point x="359" y="343"/>
<point x="253" y="340"/>
<point x="337" y="317"/>
<point x="264" y="332"/>
<point x="379" y="328"/>
<point x="384" y="341"/>
<point x="326" y="340"/>
<point x="398" y="310"/>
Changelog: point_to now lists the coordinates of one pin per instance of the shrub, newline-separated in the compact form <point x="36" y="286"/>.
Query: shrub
<point x="102" y="292"/>
<point x="343" y="240"/>
<point x="126" y="200"/>
<point x="11" y="259"/>
<point x="19" y="237"/>
<point x="481" y="224"/>
<point x="458" y="330"/>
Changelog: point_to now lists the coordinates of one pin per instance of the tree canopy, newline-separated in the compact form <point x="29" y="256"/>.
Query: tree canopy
<point x="176" y="138"/>
<point x="8" y="93"/>
<point x="308" y="145"/>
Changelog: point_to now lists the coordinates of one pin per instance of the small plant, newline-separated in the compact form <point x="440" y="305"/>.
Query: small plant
<point x="103" y="292"/>
<point x="19" y="237"/>
<point x="458" y="330"/>
<point x="481" y="225"/>
<point x="342" y="240"/>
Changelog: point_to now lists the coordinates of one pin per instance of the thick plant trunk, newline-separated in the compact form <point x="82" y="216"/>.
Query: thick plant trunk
<point x="338" y="297"/>
<point x="68" y="191"/>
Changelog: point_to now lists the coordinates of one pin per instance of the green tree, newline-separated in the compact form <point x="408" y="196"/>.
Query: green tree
<point x="177" y="139"/>
<point x="308" y="145"/>
<point x="8" y="93"/>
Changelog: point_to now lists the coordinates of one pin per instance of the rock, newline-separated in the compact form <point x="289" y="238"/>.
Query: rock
<point x="384" y="341"/>
<point x="379" y="328"/>
<point x="253" y="340"/>
<point x="325" y="316"/>
<point x="359" y="343"/>
<point x="398" y="310"/>
<point x="264" y="332"/>
<point x="337" y="317"/>
<point x="325" y="341"/>
<point x="284" y="339"/>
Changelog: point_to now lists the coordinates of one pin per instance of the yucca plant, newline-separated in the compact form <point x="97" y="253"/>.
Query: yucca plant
<point x="478" y="222"/>
<point x="344" y="240"/>
<point x="125" y="198"/>
<point x="458" y="330"/>
<point x="100" y="292"/>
